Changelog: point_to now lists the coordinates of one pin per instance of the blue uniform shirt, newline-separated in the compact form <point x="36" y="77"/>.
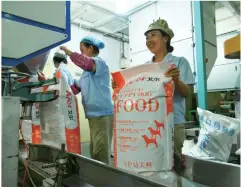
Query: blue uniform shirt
<point x="187" y="77"/>
<point x="95" y="90"/>
<point x="65" y="73"/>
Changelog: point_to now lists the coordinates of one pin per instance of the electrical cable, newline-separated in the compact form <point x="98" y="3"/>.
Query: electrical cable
<point x="26" y="148"/>
<point x="20" y="156"/>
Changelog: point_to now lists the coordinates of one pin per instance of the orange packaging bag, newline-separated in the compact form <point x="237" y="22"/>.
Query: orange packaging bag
<point x="143" y="119"/>
<point x="36" y="127"/>
<point x="31" y="129"/>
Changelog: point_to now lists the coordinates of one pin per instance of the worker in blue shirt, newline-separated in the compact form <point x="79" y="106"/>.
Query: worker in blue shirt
<point x="60" y="63"/>
<point x="94" y="86"/>
<point x="158" y="39"/>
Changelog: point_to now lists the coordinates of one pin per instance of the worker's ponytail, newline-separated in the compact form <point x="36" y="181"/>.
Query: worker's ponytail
<point x="169" y="47"/>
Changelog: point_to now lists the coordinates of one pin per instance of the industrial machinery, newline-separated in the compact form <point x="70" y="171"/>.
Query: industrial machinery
<point x="28" y="36"/>
<point x="230" y="94"/>
<point x="84" y="172"/>
<point x="232" y="51"/>
<point x="232" y="48"/>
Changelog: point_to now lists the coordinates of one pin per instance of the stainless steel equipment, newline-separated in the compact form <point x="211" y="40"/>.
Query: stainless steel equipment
<point x="17" y="93"/>
<point x="23" y="50"/>
<point x="214" y="174"/>
<point x="88" y="172"/>
<point x="10" y="143"/>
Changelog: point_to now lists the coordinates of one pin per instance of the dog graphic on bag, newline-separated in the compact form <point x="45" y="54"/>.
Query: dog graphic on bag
<point x="154" y="133"/>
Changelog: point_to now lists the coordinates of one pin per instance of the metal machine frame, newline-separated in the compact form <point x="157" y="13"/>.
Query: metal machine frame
<point x="10" y="144"/>
<point x="20" y="93"/>
<point x="93" y="173"/>
<point x="200" y="55"/>
<point x="66" y="31"/>
<point x="89" y="171"/>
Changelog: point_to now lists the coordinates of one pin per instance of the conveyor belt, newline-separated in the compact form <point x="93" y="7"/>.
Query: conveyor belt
<point x="75" y="181"/>
<point x="97" y="174"/>
<point x="93" y="172"/>
<point x="47" y="172"/>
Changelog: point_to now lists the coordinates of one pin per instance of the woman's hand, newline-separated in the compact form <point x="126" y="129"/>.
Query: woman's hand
<point x="114" y="84"/>
<point x="41" y="76"/>
<point x="66" y="50"/>
<point x="173" y="72"/>
<point x="180" y="87"/>
<point x="63" y="48"/>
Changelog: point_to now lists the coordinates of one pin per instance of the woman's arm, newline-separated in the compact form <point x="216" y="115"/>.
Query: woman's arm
<point x="185" y="80"/>
<point x="75" y="88"/>
<point x="80" y="60"/>
<point x="182" y="88"/>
